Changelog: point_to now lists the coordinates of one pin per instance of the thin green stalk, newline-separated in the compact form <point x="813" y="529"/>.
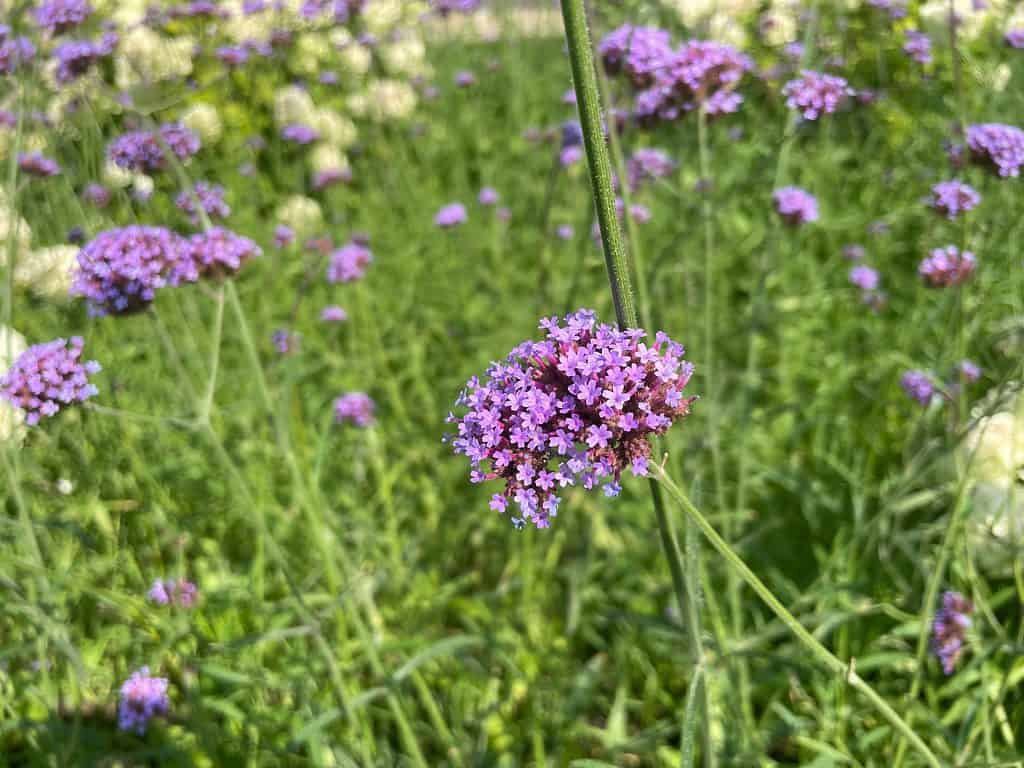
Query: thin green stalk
<point x="211" y="384"/>
<point x="825" y="657"/>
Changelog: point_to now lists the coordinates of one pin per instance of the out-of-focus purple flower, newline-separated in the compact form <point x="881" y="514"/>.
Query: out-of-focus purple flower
<point x="918" y="385"/>
<point x="578" y="406"/>
<point x="283" y="236"/>
<point x="488" y="196"/>
<point x="565" y="232"/>
<point x="58" y="16"/>
<point x="853" y="252"/>
<point x="198" y="9"/>
<point x="232" y="55"/>
<point x="37" y="164"/>
<point x="793" y="51"/>
<point x="252" y="7"/>
<point x="48" y="376"/>
<point x="348" y="263"/>
<point x="464" y="79"/>
<point x="299" y="134"/>
<point x="447" y="7"/>
<point x="795" y="205"/>
<point x="285" y="341"/>
<point x="76" y="236"/>
<point x="949" y="629"/>
<point x="569" y="97"/>
<point x="333" y="314"/>
<point x="142" y="698"/>
<point x="15" y="52"/>
<point x="998" y="146"/>
<point x="814" y="94"/>
<point x="945" y="267"/>
<point x="210" y="198"/>
<point x="451" y="215"/>
<point x="969" y="370"/>
<point x="640" y="52"/>
<point x="951" y="198"/>
<point x="570" y="156"/>
<point x="864" y="277"/>
<point x="120" y="270"/>
<point x="354" y="408"/>
<point x="329" y="77"/>
<point x="76" y="57"/>
<point x="918" y="46"/>
<point x="331" y="176"/>
<point x="218" y="252"/>
<point x="142" y="152"/>
<point x="178" y="592"/>
<point x="897" y="9"/>
<point x="1015" y="37"/>
<point x="647" y="164"/>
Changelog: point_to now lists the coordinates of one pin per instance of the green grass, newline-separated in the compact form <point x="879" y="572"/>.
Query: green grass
<point x="360" y="605"/>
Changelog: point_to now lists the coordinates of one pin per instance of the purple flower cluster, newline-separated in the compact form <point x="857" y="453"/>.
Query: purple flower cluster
<point x="814" y="94"/>
<point x="949" y="629"/>
<point x="96" y="194"/>
<point x="14" y="51"/>
<point x="142" y="151"/>
<point x="348" y="263"/>
<point x="918" y="385"/>
<point x="283" y="236"/>
<point x="120" y="270"/>
<point x="897" y="9"/>
<point x="333" y="314"/>
<point x="864" y="277"/>
<point x="218" y="252"/>
<point x="578" y="406"/>
<point x="47" y="376"/>
<point x="951" y="198"/>
<point x="299" y="134"/>
<point x="702" y="73"/>
<point x="1001" y="147"/>
<point x="451" y="215"/>
<point x="795" y="205"/>
<point x="142" y="698"/>
<point x="76" y="57"/>
<point x="210" y="198"/>
<point x="647" y="164"/>
<point x="58" y="16"/>
<point x="969" y="370"/>
<point x="179" y="592"/>
<point x="447" y="7"/>
<point x="285" y="341"/>
<point x="354" y="408"/>
<point x="918" y="46"/>
<point x="488" y="196"/>
<point x="465" y="79"/>
<point x="1015" y="37"/>
<point x="37" y="164"/>
<point x="945" y="267"/>
<point x="640" y="52"/>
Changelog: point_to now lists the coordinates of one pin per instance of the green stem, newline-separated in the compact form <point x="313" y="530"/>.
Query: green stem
<point x="825" y="657"/>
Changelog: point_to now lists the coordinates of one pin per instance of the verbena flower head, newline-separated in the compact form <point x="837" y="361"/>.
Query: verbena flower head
<point x="76" y="57"/>
<point x="142" y="152"/>
<point x="648" y="164"/>
<point x="969" y="370"/>
<point x="331" y="176"/>
<point x="918" y="385"/>
<point x="218" y="252"/>
<point x="451" y="215"/>
<point x="946" y="266"/>
<point x="348" y="263"/>
<point x="951" y="198"/>
<point x="640" y="52"/>
<point x="814" y="94"/>
<point x="488" y="196"/>
<point x="97" y="195"/>
<point x="37" y="164"/>
<point x="354" y="408"/>
<point x="918" y="46"/>
<point x="333" y="314"/>
<point x="120" y="270"/>
<point x="178" y="592"/>
<point x="285" y="341"/>
<point x="283" y="236"/>
<point x="58" y="16"/>
<point x="578" y="407"/>
<point x="1015" y="37"/>
<point x="795" y="205"/>
<point x="15" y="52"/>
<point x="854" y="252"/>
<point x="998" y="146"/>
<point x="210" y="198"/>
<point x="299" y="134"/>
<point x="232" y="55"/>
<point x="864" y="277"/>
<point x="464" y="79"/>
<point x="447" y="7"/>
<point x="142" y="698"/>
<point x="48" y="376"/>
<point x="949" y="629"/>
<point x="565" y="232"/>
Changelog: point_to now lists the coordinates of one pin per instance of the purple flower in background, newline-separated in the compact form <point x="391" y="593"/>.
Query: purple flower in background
<point x="348" y="263"/>
<point x="969" y="370"/>
<point x="918" y="385"/>
<point x="814" y="94"/>
<point x="120" y="270"/>
<point x="1015" y="37"/>
<point x="950" y="198"/>
<point x="949" y="629"/>
<point x="48" y="376"/>
<point x="446" y="7"/>
<point x="142" y="151"/>
<point x="14" y="51"/>
<point x="76" y="57"/>
<point x="299" y="134"/>
<point x="570" y="156"/>
<point x="853" y="252"/>
<point x="451" y="215"/>
<point x="565" y="232"/>
<point x="488" y="196"/>
<point x="795" y="205"/>
<point x="333" y="314"/>
<point x="178" y="592"/>
<point x="210" y="198"/>
<point x="945" y="267"/>
<point x="793" y="51"/>
<point x="76" y="236"/>
<point x="918" y="46"/>
<point x="218" y="252"/>
<point x="897" y="9"/>
<point x="37" y="164"/>
<point x="142" y="698"/>
<point x="58" y="16"/>
<point x="998" y="146"/>
<point x="329" y="77"/>
<point x="283" y="236"/>
<point x="232" y="55"/>
<point x="640" y="52"/>
<point x="576" y="407"/>
<point x="464" y="79"/>
<point x="354" y="408"/>
<point x="648" y="164"/>
<point x="569" y="97"/>
<point x="285" y="341"/>
<point x="864" y="277"/>
<point x="331" y="176"/>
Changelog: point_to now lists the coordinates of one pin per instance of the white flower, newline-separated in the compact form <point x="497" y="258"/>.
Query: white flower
<point x="355" y="59"/>
<point x="12" y="344"/>
<point x="203" y="120"/>
<point x="147" y="57"/>
<point x="406" y="56"/>
<point x="301" y="214"/>
<point x="334" y="128"/>
<point x="14" y="231"/>
<point x="47" y="270"/>
<point x="115" y="176"/>
<point x="309" y="53"/>
<point x="293" y="105"/>
<point x="327" y="157"/>
<point x="387" y="100"/>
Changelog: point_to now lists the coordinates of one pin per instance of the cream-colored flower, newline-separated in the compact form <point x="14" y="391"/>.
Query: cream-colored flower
<point x="12" y="344"/>
<point x="381" y="16"/>
<point x="301" y="214"/>
<point x="14" y="232"/>
<point x="936" y="13"/>
<point x="1001" y="77"/>
<point x="204" y="120"/>
<point x="47" y="271"/>
<point x="309" y="53"/>
<point x="145" y="56"/>
<point x="327" y="157"/>
<point x="355" y="59"/>
<point x="997" y="446"/>
<point x="142" y="185"/>
<point x="293" y="105"/>
<point x="334" y="128"/>
<point x="406" y="56"/>
<point x="388" y="100"/>
<point x="115" y="176"/>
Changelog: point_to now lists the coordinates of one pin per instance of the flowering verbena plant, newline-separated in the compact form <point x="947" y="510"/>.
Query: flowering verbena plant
<point x="576" y="407"/>
<point x="142" y="698"/>
<point x="949" y="629"/>
<point x="815" y="93"/>
<point x="48" y="376"/>
<point x="178" y="592"/>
